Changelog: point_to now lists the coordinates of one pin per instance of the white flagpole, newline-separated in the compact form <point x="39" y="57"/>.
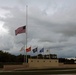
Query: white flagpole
<point x="26" y="29"/>
<point x="37" y="52"/>
<point x="49" y="54"/>
<point x="43" y="54"/>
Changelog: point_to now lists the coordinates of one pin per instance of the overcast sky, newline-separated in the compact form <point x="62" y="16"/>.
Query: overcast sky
<point x="51" y="24"/>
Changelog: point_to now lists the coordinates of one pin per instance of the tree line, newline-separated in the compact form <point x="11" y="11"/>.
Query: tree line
<point x="7" y="57"/>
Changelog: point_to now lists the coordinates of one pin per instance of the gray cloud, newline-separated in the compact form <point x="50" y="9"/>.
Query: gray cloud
<point x="51" y="24"/>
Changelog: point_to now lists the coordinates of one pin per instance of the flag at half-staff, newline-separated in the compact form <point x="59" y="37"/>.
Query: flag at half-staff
<point x="23" y="29"/>
<point x="42" y="50"/>
<point x="28" y="49"/>
<point x="23" y="48"/>
<point x="35" y="50"/>
<point x="20" y="30"/>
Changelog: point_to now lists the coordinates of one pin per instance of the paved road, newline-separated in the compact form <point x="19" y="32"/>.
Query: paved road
<point x="62" y="74"/>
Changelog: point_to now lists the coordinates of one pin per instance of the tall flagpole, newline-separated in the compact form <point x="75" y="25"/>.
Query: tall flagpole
<point x="26" y="29"/>
<point x="37" y="52"/>
<point x="43" y="54"/>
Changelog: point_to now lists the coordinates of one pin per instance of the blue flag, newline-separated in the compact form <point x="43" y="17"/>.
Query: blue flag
<point x="42" y="50"/>
<point x="34" y="50"/>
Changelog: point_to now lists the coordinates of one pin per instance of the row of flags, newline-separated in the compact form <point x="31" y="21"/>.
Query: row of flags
<point x="22" y="29"/>
<point x="34" y="50"/>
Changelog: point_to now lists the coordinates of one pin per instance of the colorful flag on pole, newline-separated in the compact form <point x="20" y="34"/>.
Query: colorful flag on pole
<point x="42" y="50"/>
<point x="28" y="49"/>
<point x="20" y="30"/>
<point x="35" y="50"/>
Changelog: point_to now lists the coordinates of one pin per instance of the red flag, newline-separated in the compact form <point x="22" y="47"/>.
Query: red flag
<point x="20" y="30"/>
<point x="28" y="49"/>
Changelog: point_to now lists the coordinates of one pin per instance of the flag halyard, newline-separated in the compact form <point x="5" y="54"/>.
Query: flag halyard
<point x="23" y="48"/>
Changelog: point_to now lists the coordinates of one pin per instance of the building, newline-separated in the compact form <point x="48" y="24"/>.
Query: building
<point x="41" y="63"/>
<point x="44" y="61"/>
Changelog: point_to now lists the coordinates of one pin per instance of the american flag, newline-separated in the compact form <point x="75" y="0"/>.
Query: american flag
<point x="20" y="30"/>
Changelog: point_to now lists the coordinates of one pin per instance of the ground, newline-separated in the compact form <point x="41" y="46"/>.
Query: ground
<point x="39" y="72"/>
